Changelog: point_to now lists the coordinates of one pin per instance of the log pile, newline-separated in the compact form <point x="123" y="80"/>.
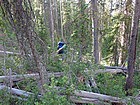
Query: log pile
<point x="79" y="96"/>
<point x="56" y="74"/>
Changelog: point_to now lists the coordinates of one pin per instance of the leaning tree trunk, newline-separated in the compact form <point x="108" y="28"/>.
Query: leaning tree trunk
<point x="132" y="48"/>
<point x="95" y="31"/>
<point x="21" y="20"/>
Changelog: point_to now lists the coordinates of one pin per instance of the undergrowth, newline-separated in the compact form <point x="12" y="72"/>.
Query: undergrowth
<point x="59" y="89"/>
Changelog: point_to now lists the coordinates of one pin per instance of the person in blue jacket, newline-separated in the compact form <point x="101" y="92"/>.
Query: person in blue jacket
<point x="60" y="47"/>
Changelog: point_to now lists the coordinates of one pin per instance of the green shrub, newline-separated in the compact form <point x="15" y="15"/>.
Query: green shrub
<point x="111" y="84"/>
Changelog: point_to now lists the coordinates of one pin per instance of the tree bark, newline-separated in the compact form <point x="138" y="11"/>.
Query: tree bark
<point x="51" y="22"/>
<point x="126" y="26"/>
<point x="132" y="48"/>
<point x="61" y="20"/>
<point x="95" y="31"/>
<point x="56" y="19"/>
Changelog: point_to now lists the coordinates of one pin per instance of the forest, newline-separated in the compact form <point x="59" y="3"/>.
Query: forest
<point x="69" y="52"/>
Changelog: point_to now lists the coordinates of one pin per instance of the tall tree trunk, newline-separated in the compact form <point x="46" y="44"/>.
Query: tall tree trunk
<point x="127" y="30"/>
<point x="58" y="30"/>
<point x="81" y="29"/>
<point x="51" y="22"/>
<point x="95" y="31"/>
<point x="115" y="54"/>
<point x="132" y="48"/>
<point x="45" y="13"/>
<point x="61" y="17"/>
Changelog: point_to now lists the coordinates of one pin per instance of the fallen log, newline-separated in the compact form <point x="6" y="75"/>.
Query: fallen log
<point x="16" y="91"/>
<point x="34" y="76"/>
<point x="79" y="96"/>
<point x="100" y="97"/>
<point x="115" y="67"/>
<point x="9" y="53"/>
<point x="83" y="100"/>
<point x="112" y="71"/>
<point x="16" y="78"/>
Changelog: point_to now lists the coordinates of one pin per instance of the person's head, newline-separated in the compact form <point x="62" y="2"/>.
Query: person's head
<point x="61" y="40"/>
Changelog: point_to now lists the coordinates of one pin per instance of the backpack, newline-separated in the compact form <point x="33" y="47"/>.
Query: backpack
<point x="60" y="47"/>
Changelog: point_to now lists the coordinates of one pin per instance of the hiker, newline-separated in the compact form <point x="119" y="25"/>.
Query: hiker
<point x="60" y="48"/>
